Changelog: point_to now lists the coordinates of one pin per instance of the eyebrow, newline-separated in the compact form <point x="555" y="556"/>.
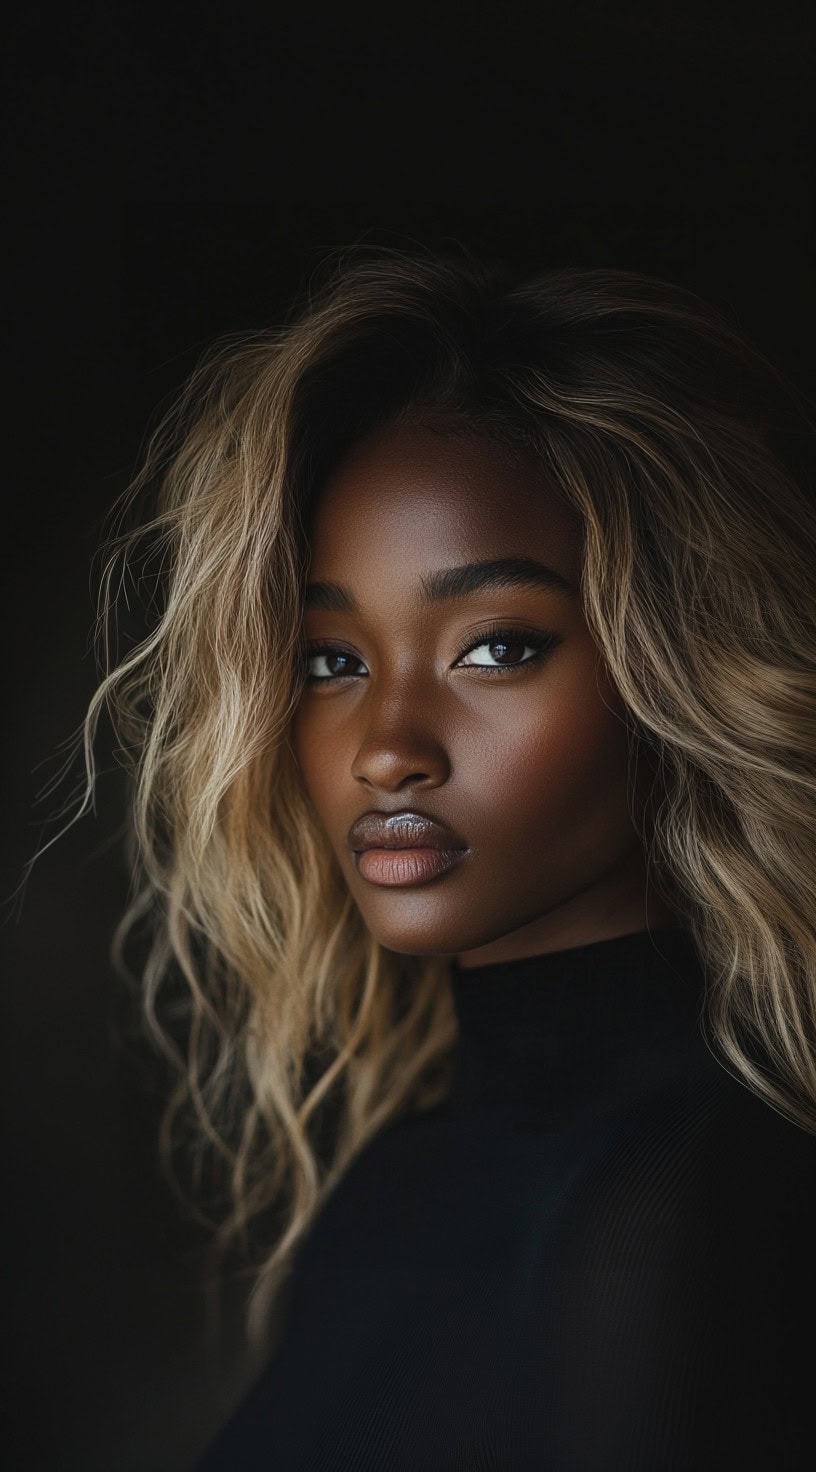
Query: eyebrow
<point x="454" y="582"/>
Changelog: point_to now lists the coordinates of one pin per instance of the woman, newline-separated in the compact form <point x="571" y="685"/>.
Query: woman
<point x="475" y="805"/>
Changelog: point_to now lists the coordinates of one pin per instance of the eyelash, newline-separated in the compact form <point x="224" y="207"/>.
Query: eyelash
<point x="541" y="643"/>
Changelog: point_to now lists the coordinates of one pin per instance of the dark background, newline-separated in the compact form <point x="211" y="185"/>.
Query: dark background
<point x="177" y="175"/>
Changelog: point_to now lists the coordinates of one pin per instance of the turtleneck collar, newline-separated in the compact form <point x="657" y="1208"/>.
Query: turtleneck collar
<point x="566" y="1022"/>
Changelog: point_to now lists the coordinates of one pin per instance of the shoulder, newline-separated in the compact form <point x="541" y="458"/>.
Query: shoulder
<point x="707" y="1164"/>
<point x="685" y="1285"/>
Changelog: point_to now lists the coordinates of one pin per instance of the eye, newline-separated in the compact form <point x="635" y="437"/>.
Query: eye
<point x="511" y="646"/>
<point x="510" y="649"/>
<point x="330" y="658"/>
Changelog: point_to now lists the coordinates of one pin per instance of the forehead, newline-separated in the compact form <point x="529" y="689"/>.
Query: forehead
<point x="412" y="498"/>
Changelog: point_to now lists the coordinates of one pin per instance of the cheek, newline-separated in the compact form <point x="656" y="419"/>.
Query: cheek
<point x="324" y="759"/>
<point x="560" y="760"/>
<point x="314" y="757"/>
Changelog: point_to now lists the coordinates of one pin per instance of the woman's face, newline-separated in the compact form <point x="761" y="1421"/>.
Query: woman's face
<point x="516" y="744"/>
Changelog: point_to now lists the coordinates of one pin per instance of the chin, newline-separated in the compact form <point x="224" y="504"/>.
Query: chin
<point x="420" y="945"/>
<point x="447" y="938"/>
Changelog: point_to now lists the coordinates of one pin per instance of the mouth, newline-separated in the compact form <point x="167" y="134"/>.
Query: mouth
<point x="403" y="848"/>
<point x="400" y="867"/>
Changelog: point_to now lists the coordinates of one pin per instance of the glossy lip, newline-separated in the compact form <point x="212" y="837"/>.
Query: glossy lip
<point x="406" y="829"/>
<point x="403" y="848"/>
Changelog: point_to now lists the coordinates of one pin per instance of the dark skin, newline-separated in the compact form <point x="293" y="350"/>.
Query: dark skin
<point x="529" y="766"/>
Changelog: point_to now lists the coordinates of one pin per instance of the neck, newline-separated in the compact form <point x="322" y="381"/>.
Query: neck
<point x="538" y="1032"/>
<point x="591" y="916"/>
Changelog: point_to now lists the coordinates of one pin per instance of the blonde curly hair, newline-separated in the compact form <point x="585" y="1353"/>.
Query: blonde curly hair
<point x="293" y="1036"/>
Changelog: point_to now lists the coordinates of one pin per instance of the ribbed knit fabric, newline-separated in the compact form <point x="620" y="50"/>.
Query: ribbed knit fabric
<point x="598" y="1255"/>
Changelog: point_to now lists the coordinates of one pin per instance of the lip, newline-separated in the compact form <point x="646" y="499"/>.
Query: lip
<point x="397" y="867"/>
<point x="404" y="848"/>
<point x="407" y="829"/>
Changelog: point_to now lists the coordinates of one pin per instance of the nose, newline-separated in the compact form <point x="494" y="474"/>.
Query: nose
<point x="400" y="747"/>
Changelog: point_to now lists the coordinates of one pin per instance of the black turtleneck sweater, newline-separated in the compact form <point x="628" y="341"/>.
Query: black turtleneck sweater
<point x="597" y="1255"/>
